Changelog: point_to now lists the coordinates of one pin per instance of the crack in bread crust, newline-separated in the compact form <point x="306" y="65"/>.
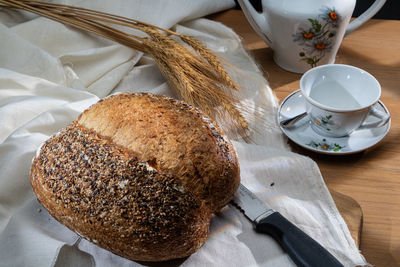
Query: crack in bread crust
<point x="177" y="138"/>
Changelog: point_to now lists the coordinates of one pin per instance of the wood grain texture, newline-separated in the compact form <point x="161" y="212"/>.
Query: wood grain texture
<point x="371" y="177"/>
<point x="351" y="212"/>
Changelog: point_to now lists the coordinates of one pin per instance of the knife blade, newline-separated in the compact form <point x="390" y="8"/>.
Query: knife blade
<point x="303" y="250"/>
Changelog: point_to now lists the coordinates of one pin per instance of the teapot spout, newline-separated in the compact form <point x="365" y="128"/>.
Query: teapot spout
<point x="257" y="20"/>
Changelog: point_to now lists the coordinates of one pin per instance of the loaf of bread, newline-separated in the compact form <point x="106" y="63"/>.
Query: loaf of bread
<point x="139" y="175"/>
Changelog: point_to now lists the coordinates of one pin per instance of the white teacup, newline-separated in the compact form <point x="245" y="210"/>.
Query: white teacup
<point x="339" y="98"/>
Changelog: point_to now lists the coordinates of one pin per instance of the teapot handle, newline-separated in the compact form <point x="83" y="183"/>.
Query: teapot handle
<point x="257" y="20"/>
<point x="369" y="13"/>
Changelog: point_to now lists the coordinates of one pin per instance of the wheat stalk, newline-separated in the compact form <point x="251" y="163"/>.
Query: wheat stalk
<point x="192" y="69"/>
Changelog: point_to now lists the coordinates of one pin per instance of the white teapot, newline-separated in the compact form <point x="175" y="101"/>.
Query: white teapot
<point x="305" y="33"/>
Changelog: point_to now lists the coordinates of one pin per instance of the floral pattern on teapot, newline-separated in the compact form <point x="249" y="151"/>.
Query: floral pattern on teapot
<point x="317" y="38"/>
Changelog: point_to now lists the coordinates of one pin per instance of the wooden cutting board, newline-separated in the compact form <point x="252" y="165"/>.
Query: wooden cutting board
<point x="351" y="213"/>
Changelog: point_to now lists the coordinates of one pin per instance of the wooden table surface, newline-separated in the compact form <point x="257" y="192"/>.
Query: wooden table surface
<point x="371" y="177"/>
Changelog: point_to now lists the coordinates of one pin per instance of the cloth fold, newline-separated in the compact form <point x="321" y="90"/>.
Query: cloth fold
<point x="50" y="73"/>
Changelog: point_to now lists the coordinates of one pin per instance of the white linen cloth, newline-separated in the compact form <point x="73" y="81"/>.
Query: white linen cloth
<point x="49" y="73"/>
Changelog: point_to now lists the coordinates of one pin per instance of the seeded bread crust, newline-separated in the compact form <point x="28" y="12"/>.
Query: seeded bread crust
<point x="138" y="175"/>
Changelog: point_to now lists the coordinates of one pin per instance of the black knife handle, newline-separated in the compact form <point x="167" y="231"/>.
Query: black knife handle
<point x="303" y="250"/>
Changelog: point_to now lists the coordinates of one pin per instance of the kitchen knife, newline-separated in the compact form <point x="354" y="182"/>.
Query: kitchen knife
<point x="303" y="250"/>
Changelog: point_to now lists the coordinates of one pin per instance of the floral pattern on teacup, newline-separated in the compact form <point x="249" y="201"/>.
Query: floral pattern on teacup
<point x="324" y="122"/>
<point x="317" y="38"/>
<point x="325" y="146"/>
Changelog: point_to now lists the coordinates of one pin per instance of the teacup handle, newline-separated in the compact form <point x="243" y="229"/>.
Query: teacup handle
<point x="384" y="119"/>
<point x="369" y="13"/>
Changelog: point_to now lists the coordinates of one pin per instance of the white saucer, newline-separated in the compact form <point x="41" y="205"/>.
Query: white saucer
<point x="303" y="135"/>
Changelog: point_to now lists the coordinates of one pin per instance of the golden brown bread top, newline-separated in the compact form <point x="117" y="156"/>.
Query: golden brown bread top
<point x="172" y="136"/>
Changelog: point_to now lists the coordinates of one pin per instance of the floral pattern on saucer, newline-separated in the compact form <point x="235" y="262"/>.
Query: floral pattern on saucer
<point x="326" y="146"/>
